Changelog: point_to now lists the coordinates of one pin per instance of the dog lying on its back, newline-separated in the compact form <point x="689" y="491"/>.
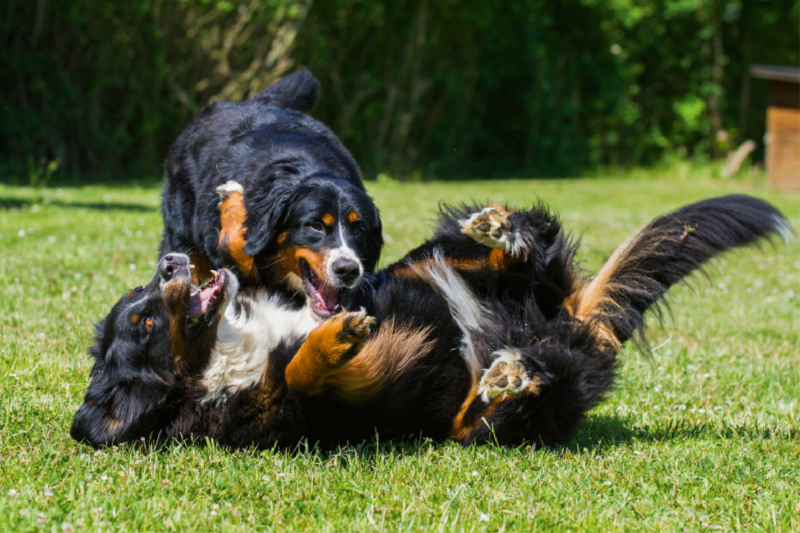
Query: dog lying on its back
<point x="485" y="332"/>
<point x="311" y="230"/>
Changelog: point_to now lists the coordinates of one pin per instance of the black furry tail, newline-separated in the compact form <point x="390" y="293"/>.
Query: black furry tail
<point x="298" y="91"/>
<point x="664" y="252"/>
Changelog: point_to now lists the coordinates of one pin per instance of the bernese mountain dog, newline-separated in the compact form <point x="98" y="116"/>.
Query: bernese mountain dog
<point x="311" y="229"/>
<point x="486" y="332"/>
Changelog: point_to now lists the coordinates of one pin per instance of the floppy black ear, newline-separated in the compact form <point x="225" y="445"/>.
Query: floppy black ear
<point x="375" y="241"/>
<point x="125" y="413"/>
<point x="267" y="208"/>
<point x="121" y="404"/>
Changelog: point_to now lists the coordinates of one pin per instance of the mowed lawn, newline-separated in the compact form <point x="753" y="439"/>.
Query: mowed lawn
<point x="704" y="434"/>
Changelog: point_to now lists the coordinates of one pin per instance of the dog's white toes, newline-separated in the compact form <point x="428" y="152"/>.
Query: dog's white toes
<point x="490" y="227"/>
<point x="506" y="377"/>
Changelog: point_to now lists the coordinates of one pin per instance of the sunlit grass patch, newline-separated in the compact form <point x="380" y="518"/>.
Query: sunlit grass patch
<point x="700" y="434"/>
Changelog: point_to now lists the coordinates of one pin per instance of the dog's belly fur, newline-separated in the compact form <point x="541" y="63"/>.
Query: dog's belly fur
<point x="251" y="329"/>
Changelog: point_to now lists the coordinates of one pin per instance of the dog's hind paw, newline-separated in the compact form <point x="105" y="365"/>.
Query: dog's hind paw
<point x="491" y="227"/>
<point x="227" y="188"/>
<point x="506" y="377"/>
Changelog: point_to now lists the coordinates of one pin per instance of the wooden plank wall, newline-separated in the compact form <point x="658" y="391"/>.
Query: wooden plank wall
<point x="783" y="136"/>
<point x="783" y="148"/>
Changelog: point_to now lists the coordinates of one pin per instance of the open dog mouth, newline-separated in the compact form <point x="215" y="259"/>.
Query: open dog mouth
<point x="205" y="302"/>
<point x="324" y="298"/>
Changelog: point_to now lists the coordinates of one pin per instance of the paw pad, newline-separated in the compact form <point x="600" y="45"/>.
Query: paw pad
<point x="355" y="326"/>
<point x="506" y="376"/>
<point x="491" y="227"/>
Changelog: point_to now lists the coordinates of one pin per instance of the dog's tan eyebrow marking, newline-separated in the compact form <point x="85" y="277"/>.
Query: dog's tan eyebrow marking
<point x="352" y="217"/>
<point x="328" y="219"/>
<point x="135" y="320"/>
<point x="282" y="237"/>
<point x="131" y="293"/>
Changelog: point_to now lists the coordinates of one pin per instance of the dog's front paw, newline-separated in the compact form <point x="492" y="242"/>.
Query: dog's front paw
<point x="342" y="336"/>
<point x="490" y="227"/>
<point x="506" y="377"/>
<point x="226" y="189"/>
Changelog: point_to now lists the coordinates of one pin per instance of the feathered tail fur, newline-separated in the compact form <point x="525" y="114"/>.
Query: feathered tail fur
<point x="664" y="252"/>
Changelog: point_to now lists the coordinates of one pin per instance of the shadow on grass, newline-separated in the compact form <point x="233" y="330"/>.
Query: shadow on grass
<point x="597" y="435"/>
<point x="603" y="432"/>
<point x="19" y="203"/>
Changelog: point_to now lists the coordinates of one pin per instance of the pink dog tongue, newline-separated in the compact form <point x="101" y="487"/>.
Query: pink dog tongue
<point x="326" y="298"/>
<point x="200" y="302"/>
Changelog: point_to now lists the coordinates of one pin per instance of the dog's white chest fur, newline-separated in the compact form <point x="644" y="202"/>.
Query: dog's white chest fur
<point x="244" y="342"/>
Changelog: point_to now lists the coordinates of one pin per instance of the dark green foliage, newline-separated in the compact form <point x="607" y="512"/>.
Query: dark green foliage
<point x="441" y="87"/>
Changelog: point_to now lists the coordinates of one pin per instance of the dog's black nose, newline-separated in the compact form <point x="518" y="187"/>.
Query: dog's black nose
<point x="347" y="270"/>
<point x="173" y="265"/>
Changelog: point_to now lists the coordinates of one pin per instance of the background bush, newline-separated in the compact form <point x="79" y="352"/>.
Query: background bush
<point x="425" y="87"/>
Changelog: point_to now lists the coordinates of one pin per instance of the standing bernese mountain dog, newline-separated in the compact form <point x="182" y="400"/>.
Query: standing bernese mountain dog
<point x="486" y="332"/>
<point x="298" y="177"/>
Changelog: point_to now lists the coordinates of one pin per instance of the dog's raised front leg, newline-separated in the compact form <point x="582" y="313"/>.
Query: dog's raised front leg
<point x="326" y="349"/>
<point x="232" y="233"/>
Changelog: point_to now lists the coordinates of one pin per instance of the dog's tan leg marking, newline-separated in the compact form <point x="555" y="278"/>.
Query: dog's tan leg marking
<point x="232" y="233"/>
<point x="329" y="346"/>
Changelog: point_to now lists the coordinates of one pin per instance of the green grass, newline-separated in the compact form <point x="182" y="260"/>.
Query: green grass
<point x="703" y="435"/>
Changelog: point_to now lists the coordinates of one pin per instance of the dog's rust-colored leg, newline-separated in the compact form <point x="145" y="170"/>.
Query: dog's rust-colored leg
<point x="491" y="227"/>
<point x="326" y="349"/>
<point x="232" y="233"/>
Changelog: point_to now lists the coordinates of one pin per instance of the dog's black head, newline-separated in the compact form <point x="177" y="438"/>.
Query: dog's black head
<point x="153" y="339"/>
<point x="325" y="236"/>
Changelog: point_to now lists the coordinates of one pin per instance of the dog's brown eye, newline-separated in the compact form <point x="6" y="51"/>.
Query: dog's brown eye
<point x="317" y="226"/>
<point x="148" y="322"/>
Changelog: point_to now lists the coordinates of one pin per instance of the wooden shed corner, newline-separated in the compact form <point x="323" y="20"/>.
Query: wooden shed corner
<point x="782" y="140"/>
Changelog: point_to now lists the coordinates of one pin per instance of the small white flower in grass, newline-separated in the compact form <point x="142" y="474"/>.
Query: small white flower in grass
<point x="215" y="506"/>
<point x="484" y="517"/>
<point x="213" y="513"/>
<point x="24" y="512"/>
<point x="21" y="233"/>
<point x="13" y="493"/>
<point x="281" y="476"/>
<point x="48" y="494"/>
<point x="66" y="526"/>
<point x="132" y="266"/>
<point x="51" y="239"/>
<point x="104" y="478"/>
<point x="165" y="482"/>
<point x="79" y="522"/>
<point x="607" y="483"/>
<point x="475" y="473"/>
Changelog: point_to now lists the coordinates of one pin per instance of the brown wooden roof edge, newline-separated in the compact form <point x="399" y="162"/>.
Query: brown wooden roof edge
<point x="772" y="72"/>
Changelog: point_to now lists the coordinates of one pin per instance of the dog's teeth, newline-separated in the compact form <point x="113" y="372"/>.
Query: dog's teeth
<point x="213" y="272"/>
<point x="191" y="266"/>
